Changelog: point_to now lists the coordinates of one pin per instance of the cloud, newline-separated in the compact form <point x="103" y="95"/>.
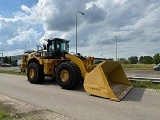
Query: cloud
<point x="14" y="30"/>
<point x="135" y="23"/>
<point x="26" y="9"/>
<point x="95" y="14"/>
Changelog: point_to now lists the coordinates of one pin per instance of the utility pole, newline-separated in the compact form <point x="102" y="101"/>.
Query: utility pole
<point x="2" y="52"/>
<point x="76" y="27"/>
<point x="116" y="47"/>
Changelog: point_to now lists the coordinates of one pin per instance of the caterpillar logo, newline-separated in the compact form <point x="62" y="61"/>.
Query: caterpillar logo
<point x="97" y="89"/>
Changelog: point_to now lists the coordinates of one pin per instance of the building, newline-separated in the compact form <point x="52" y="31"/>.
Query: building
<point x="16" y="57"/>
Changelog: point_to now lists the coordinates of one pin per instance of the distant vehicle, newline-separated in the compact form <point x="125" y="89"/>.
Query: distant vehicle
<point x="157" y="67"/>
<point x="5" y="65"/>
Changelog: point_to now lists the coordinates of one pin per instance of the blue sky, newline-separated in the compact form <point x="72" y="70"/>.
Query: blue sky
<point x="8" y="7"/>
<point x="134" y="22"/>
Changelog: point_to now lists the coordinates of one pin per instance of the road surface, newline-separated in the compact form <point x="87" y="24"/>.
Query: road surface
<point x="139" y="104"/>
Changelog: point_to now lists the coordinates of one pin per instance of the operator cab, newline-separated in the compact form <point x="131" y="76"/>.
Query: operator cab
<point x="56" y="48"/>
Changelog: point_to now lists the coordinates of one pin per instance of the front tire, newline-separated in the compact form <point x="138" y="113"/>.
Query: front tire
<point x="35" y="73"/>
<point x="68" y="75"/>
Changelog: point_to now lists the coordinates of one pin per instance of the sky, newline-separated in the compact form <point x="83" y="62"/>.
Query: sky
<point x="135" y="23"/>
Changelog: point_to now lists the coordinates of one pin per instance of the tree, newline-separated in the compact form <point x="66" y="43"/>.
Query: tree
<point x="9" y="60"/>
<point x="141" y="59"/>
<point x="14" y="62"/>
<point x="156" y="58"/>
<point x="133" y="60"/>
<point x="110" y="59"/>
<point x="5" y="59"/>
<point x="146" y="60"/>
<point x="123" y="60"/>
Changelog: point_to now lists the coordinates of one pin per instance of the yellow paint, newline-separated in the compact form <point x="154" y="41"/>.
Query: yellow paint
<point x="31" y="73"/>
<point x="85" y="65"/>
<point x="64" y="75"/>
<point x="107" y="80"/>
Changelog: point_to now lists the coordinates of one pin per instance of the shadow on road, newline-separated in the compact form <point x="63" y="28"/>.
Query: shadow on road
<point x="80" y="88"/>
<point x="49" y="81"/>
<point x="135" y="94"/>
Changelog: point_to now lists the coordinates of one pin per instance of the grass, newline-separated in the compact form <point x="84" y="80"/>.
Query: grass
<point x="142" y="84"/>
<point x="138" y="66"/>
<point x="146" y="84"/>
<point x="3" y="114"/>
<point x="13" y="72"/>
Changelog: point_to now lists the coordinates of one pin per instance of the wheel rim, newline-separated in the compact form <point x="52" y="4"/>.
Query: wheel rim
<point x="31" y="73"/>
<point x="64" y="75"/>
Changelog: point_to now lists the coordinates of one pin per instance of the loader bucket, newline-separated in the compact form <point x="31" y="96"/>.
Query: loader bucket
<point x="107" y="80"/>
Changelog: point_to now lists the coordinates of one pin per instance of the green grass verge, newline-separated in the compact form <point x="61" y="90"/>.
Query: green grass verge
<point x="4" y="115"/>
<point x="13" y="72"/>
<point x="146" y="84"/>
<point x="138" y="66"/>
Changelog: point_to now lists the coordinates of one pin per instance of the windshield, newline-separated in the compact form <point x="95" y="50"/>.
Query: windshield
<point x="64" y="47"/>
<point x="58" y="46"/>
<point x="51" y="46"/>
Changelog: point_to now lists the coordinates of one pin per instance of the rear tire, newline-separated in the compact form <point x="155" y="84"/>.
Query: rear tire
<point x="35" y="73"/>
<point x="157" y="69"/>
<point x="68" y="75"/>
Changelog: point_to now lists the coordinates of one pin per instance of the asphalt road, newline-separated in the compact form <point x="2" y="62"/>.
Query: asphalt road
<point x="139" y="104"/>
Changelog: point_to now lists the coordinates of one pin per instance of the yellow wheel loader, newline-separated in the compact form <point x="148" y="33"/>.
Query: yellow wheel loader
<point x="107" y="79"/>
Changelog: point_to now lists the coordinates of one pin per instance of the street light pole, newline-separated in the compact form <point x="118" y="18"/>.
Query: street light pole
<point x="76" y="27"/>
<point x="116" y="47"/>
<point x="2" y="52"/>
<point x="25" y="46"/>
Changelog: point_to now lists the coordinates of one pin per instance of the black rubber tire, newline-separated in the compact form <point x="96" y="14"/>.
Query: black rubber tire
<point x="53" y="78"/>
<point x="38" y="73"/>
<point x="157" y="69"/>
<point x="74" y="75"/>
